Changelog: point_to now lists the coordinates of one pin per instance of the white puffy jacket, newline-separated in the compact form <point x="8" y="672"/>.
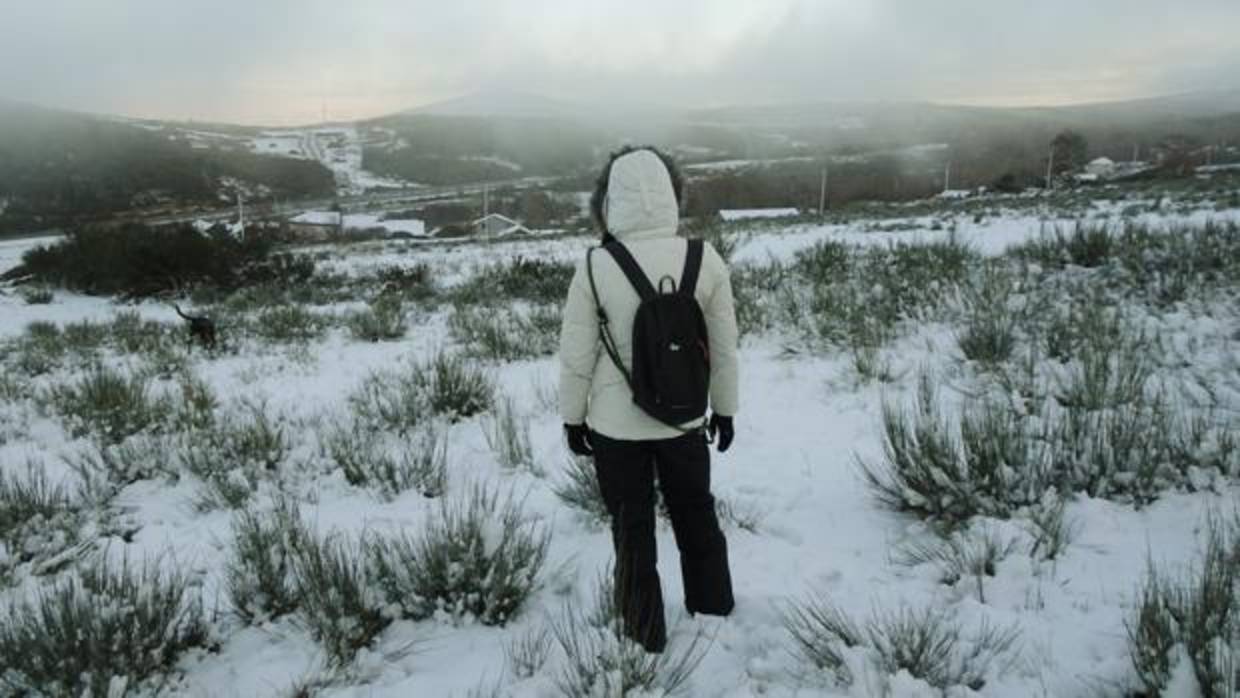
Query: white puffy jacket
<point x="641" y="212"/>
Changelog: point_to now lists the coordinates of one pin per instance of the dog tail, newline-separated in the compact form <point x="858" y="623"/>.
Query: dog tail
<point x="183" y="315"/>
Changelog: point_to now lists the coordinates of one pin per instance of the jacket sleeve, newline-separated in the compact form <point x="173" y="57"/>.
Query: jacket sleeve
<point x="720" y="313"/>
<point x="579" y="348"/>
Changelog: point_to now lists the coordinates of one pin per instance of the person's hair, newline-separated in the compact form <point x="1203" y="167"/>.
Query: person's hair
<point x="600" y="186"/>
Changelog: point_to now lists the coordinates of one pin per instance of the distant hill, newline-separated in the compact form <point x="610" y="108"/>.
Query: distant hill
<point x="58" y="167"/>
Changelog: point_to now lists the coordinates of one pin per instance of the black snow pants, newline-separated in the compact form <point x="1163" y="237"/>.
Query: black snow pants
<point x="626" y="477"/>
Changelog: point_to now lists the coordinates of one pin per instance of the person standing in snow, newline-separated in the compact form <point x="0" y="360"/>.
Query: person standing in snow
<point x="636" y="203"/>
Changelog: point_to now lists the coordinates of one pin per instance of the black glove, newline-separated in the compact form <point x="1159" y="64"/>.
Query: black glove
<point x="721" y="431"/>
<point x="579" y="439"/>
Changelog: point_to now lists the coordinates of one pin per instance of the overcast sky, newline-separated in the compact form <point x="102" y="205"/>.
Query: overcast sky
<point x="285" y="61"/>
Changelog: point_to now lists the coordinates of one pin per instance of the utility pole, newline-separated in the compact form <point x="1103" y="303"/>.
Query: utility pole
<point x="486" y="200"/>
<point x="947" y="177"/>
<point x="241" y="216"/>
<point x="1050" y="168"/>
<point x="1136" y="151"/>
<point x="822" y="195"/>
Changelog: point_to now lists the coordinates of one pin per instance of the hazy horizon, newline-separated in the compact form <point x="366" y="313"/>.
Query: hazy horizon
<point x="287" y="63"/>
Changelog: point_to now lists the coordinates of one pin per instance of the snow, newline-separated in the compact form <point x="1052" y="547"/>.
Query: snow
<point x="1228" y="167"/>
<point x="752" y="213"/>
<point x="362" y="221"/>
<point x="338" y="148"/>
<point x="804" y="424"/>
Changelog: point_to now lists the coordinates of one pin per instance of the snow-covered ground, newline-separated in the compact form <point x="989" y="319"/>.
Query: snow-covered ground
<point x="804" y="423"/>
<point x="338" y="148"/>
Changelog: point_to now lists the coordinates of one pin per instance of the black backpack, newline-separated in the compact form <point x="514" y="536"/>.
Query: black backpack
<point x="670" y="379"/>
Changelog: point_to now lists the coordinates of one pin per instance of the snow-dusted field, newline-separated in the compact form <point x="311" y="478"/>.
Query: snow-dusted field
<point x="805" y="421"/>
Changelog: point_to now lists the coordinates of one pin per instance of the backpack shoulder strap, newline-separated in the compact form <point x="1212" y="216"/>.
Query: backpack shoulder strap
<point x="693" y="267"/>
<point x="632" y="270"/>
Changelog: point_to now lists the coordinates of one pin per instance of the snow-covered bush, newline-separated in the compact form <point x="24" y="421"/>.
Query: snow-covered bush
<point x="103" y="628"/>
<point x="508" y="435"/>
<point x="132" y="334"/>
<point x="991" y="464"/>
<point x="338" y="606"/>
<point x="260" y="571"/>
<point x="454" y="386"/>
<point x="109" y="404"/>
<point x="528" y="652"/>
<point x="368" y="461"/>
<point x="504" y="332"/>
<point x="579" y="489"/>
<point x="232" y="455"/>
<point x="928" y="644"/>
<point x="599" y="660"/>
<point x="1106" y="374"/>
<point x="38" y="519"/>
<point x="860" y="296"/>
<point x="965" y="555"/>
<point x="448" y="385"/>
<point x="989" y="335"/>
<point x="105" y="468"/>
<point x="289" y="324"/>
<point x="529" y="279"/>
<point x="384" y="320"/>
<point x="1087" y="245"/>
<point x="38" y="295"/>
<point x="477" y="557"/>
<point x="1191" y="623"/>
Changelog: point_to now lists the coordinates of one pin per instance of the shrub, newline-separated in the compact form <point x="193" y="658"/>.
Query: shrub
<point x="962" y="555"/>
<point x="455" y="387"/>
<point x="108" y="627"/>
<point x="337" y="606"/>
<point x="1106" y="374"/>
<point x="447" y="385"/>
<point x="260" y="572"/>
<point x="477" y="558"/>
<point x="928" y="644"/>
<point x="508" y="435"/>
<point x="134" y="260"/>
<point x="819" y="629"/>
<point x="1088" y="245"/>
<point x="601" y="660"/>
<point x="291" y="324"/>
<point x="132" y="334"/>
<point x="1049" y="526"/>
<point x="366" y="462"/>
<point x="503" y="333"/>
<point x="390" y="400"/>
<point x="1194" y="619"/>
<point x="85" y="337"/>
<point x="108" y="404"/>
<point x="581" y="490"/>
<point x="40" y="350"/>
<point x="858" y="297"/>
<point x="232" y="455"/>
<point x="533" y="280"/>
<point x="104" y="468"/>
<point x="996" y="463"/>
<point x="37" y="519"/>
<point x="990" y="330"/>
<point x="37" y="296"/>
<point x="528" y="652"/>
<point x="384" y="320"/>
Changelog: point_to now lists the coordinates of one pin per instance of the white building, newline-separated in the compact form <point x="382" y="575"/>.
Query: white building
<point x="1101" y="167"/>
<point x="495" y="225"/>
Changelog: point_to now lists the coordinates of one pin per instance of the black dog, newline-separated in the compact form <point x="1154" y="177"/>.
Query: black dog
<point x="201" y="328"/>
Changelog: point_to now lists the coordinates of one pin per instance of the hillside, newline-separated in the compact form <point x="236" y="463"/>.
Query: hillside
<point x="57" y="167"/>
